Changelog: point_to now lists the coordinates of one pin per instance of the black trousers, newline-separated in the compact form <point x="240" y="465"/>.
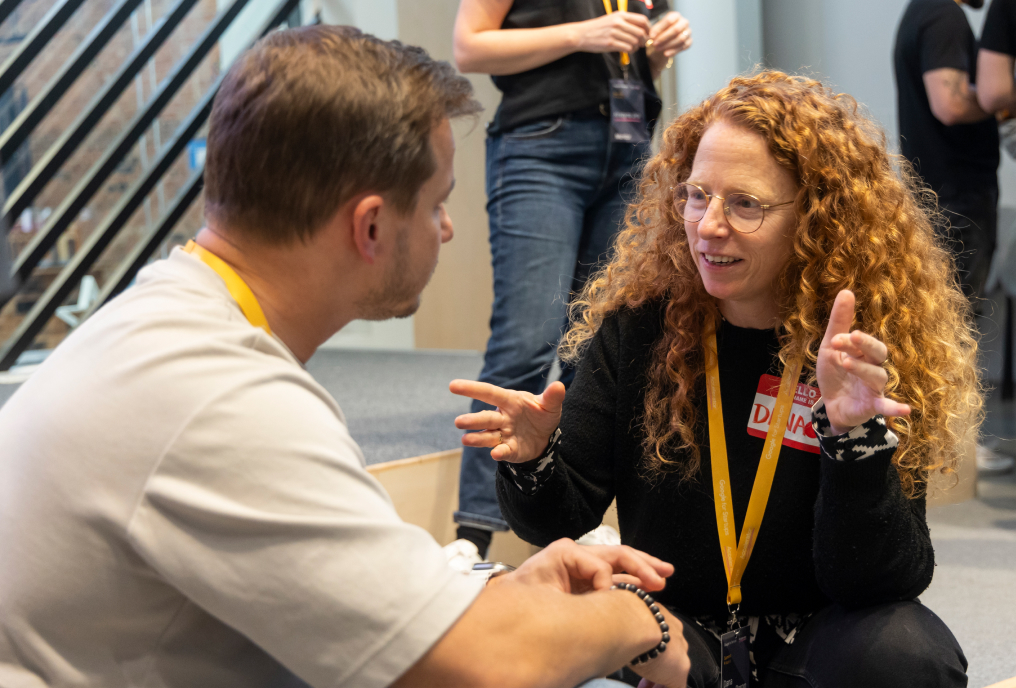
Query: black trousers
<point x="894" y="645"/>
<point x="971" y="226"/>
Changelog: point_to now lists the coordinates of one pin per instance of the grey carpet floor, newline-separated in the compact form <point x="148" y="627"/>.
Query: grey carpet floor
<point x="398" y="405"/>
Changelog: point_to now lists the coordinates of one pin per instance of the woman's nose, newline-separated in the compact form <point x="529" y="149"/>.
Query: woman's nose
<point x="714" y="224"/>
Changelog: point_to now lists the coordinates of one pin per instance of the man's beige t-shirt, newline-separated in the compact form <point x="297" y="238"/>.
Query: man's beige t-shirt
<point x="182" y="505"/>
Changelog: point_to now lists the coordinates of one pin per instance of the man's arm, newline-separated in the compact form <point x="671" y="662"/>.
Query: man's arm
<point x="952" y="98"/>
<point x="481" y="45"/>
<point x="995" y="91"/>
<point x="526" y="630"/>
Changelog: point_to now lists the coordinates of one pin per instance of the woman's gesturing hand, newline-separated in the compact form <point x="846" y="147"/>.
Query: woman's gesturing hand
<point x="850" y="371"/>
<point x="617" y="32"/>
<point x="519" y="428"/>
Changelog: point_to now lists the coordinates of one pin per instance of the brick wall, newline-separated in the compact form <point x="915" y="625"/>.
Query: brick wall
<point x="74" y="102"/>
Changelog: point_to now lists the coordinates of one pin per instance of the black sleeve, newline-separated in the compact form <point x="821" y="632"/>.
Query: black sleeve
<point x="659" y="7"/>
<point x="943" y="42"/>
<point x="576" y="495"/>
<point x="872" y="543"/>
<point x="999" y="33"/>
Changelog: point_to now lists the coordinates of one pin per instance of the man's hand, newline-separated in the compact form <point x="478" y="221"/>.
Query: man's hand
<point x="617" y="32"/>
<point x="670" y="669"/>
<point x="579" y="569"/>
<point x="521" y="426"/>
<point x="850" y="373"/>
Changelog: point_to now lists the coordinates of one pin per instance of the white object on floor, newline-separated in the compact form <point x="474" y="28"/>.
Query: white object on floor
<point x="88" y="292"/>
<point x="990" y="462"/>
<point x="462" y="554"/>
<point x="604" y="535"/>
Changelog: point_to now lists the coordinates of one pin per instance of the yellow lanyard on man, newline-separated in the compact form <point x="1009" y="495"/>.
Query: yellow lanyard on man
<point x="622" y="6"/>
<point x="737" y="552"/>
<point x="238" y="289"/>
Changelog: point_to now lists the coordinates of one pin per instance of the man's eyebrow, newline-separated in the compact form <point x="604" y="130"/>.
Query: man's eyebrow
<point x="450" y="188"/>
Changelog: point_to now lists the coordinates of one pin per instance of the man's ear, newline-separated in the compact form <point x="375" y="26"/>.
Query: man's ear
<point x="367" y="219"/>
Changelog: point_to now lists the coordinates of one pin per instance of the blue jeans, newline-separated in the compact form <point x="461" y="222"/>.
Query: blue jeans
<point x="556" y="195"/>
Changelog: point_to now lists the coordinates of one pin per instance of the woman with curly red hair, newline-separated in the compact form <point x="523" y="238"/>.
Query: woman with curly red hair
<point x="778" y="340"/>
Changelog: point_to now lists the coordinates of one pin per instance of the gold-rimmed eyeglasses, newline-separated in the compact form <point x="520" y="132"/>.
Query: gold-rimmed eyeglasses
<point x="744" y="211"/>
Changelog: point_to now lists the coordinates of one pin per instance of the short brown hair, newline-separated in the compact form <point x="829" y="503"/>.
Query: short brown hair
<point x="310" y="117"/>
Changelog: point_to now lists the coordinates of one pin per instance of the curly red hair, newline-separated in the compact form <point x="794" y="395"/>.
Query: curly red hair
<point x="864" y="223"/>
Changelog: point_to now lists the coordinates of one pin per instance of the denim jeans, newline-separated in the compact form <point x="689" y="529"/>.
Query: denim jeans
<point x="556" y="195"/>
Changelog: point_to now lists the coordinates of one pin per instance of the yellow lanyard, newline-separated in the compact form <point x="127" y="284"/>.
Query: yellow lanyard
<point x="622" y="6"/>
<point x="238" y="289"/>
<point x="737" y="552"/>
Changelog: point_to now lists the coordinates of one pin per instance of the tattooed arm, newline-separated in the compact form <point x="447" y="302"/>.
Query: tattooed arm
<point x="953" y="99"/>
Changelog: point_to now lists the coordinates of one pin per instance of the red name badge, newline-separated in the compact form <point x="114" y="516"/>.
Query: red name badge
<point x="800" y="434"/>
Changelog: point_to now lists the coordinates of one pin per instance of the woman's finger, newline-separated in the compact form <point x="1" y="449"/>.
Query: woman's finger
<point x="481" y="391"/>
<point x="873" y="349"/>
<point x="481" y="420"/>
<point x="890" y="408"/>
<point x="843" y="342"/>
<point x="487" y="438"/>
<point x="841" y="316"/>
<point x="874" y="377"/>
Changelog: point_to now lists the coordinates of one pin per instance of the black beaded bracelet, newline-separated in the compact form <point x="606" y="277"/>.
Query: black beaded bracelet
<point x="664" y="628"/>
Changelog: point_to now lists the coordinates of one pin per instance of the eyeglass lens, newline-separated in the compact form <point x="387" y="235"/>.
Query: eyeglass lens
<point x="744" y="210"/>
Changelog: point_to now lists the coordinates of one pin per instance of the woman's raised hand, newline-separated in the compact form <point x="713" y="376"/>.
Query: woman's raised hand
<point x="519" y="428"/>
<point x="850" y="371"/>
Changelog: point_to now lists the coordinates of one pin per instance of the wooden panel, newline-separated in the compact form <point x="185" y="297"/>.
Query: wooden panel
<point x="455" y="307"/>
<point x="425" y="491"/>
<point x="1008" y="683"/>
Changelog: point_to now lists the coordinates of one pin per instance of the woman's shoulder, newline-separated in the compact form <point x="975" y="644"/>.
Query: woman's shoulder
<point x="636" y="326"/>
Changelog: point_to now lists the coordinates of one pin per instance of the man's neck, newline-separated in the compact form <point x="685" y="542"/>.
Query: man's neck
<point x="288" y="292"/>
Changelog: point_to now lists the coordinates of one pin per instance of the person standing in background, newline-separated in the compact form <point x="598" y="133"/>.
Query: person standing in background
<point x="950" y="138"/>
<point x="996" y="93"/>
<point x="951" y="141"/>
<point x="564" y="152"/>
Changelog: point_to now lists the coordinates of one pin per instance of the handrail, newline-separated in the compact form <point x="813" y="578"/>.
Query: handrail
<point x="68" y="142"/>
<point x="36" y="41"/>
<point x="92" y="248"/>
<point x="7" y="7"/>
<point x="39" y="107"/>
<point x="121" y="278"/>
<point x="76" y="200"/>
<point x="83" y="260"/>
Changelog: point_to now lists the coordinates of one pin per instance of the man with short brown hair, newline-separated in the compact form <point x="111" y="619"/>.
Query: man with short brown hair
<point x="181" y="504"/>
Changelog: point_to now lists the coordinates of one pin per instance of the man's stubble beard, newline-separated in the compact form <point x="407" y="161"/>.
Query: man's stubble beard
<point x="398" y="297"/>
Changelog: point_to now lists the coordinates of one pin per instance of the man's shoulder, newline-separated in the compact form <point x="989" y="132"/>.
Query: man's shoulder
<point x="920" y="14"/>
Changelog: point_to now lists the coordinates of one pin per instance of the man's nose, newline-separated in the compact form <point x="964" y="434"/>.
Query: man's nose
<point x="447" y="230"/>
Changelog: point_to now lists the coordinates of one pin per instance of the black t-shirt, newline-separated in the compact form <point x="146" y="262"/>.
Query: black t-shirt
<point x="934" y="34"/>
<point x="999" y="34"/>
<point x="574" y="82"/>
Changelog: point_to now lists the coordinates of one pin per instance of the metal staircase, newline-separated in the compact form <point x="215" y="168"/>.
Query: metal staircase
<point x="56" y="281"/>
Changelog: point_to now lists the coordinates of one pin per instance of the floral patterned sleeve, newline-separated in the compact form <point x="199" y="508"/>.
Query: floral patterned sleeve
<point x="530" y="476"/>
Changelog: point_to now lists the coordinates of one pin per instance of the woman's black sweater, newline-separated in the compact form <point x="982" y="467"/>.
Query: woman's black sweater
<point x="837" y="526"/>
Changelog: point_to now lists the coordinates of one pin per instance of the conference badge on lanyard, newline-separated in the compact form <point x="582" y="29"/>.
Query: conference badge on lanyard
<point x="627" y="101"/>
<point x="627" y="112"/>
<point x="735" y="643"/>
<point x="735" y="664"/>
